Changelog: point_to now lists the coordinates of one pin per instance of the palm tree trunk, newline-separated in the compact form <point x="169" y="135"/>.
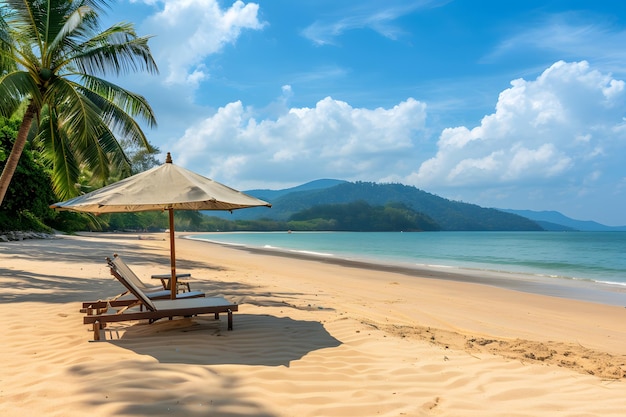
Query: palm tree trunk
<point x="16" y="152"/>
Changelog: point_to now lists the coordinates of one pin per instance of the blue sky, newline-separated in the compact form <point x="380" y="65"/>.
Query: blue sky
<point x="511" y="104"/>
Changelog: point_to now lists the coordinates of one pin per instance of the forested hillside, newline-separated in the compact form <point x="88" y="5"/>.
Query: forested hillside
<point x="360" y="216"/>
<point x="448" y="214"/>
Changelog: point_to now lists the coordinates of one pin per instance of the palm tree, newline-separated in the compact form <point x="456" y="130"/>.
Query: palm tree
<point x="52" y="54"/>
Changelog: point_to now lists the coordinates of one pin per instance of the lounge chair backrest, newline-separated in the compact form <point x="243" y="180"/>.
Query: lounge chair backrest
<point x="129" y="275"/>
<point x="122" y="272"/>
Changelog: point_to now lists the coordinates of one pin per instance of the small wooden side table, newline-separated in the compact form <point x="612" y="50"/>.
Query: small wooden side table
<point x="182" y="282"/>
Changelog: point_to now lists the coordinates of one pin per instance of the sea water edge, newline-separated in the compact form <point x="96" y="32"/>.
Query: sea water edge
<point x="581" y="265"/>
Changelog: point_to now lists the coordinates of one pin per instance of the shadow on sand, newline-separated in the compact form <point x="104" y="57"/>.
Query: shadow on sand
<point x="256" y="340"/>
<point x="75" y="285"/>
<point x="189" y="352"/>
<point x="192" y="352"/>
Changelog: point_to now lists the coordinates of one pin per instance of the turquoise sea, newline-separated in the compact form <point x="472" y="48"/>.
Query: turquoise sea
<point x="567" y="259"/>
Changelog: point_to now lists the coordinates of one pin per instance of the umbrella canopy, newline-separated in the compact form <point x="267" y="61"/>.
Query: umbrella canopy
<point x="166" y="187"/>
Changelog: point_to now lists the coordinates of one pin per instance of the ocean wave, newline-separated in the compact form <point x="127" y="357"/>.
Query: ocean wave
<point x="308" y="252"/>
<point x="529" y="256"/>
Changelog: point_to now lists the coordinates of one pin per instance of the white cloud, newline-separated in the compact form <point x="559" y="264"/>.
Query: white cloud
<point x="559" y="136"/>
<point x="374" y="15"/>
<point x="331" y="139"/>
<point x="571" y="35"/>
<point x="191" y="30"/>
<point x="553" y="128"/>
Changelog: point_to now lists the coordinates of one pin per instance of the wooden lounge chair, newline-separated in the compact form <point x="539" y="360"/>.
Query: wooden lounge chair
<point x="153" y="310"/>
<point x="128" y="298"/>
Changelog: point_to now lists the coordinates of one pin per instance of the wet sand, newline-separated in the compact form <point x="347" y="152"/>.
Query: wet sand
<point x="311" y="338"/>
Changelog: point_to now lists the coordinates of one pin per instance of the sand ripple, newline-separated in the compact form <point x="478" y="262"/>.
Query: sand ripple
<point x="295" y="351"/>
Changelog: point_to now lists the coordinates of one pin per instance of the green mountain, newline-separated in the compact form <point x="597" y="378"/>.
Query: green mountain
<point x="449" y="215"/>
<point x="269" y="195"/>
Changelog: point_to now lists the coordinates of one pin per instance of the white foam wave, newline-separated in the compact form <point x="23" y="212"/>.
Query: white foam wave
<point x="308" y="252"/>
<point x="618" y="284"/>
<point x="215" y="241"/>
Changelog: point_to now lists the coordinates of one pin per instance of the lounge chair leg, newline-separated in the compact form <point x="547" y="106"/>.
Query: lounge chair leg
<point x="230" y="320"/>
<point x="96" y="330"/>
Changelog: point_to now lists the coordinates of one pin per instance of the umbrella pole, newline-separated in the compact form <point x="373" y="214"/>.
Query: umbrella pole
<point x="172" y="255"/>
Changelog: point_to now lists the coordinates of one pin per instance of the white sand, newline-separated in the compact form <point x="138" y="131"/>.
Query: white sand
<point x="310" y="339"/>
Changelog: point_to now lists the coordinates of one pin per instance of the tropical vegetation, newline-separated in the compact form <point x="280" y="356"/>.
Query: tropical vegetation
<point x="53" y="57"/>
<point x="360" y="216"/>
<point x="25" y="207"/>
<point x="356" y="216"/>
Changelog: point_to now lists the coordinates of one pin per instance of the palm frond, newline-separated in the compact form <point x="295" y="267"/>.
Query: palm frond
<point x="101" y="6"/>
<point x="75" y="26"/>
<point x="133" y="104"/>
<point x="120" y="122"/>
<point x="31" y="21"/>
<point x="118" y="49"/>
<point x="82" y="122"/>
<point x="6" y="40"/>
<point x="14" y="88"/>
<point x="104" y="155"/>
<point x="79" y="118"/>
<point x="119" y="108"/>
<point x="65" y="167"/>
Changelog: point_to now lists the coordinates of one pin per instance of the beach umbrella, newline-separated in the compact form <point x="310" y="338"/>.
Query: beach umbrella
<point x="166" y="187"/>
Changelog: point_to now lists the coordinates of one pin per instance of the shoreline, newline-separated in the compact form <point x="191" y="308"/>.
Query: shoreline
<point x="310" y="339"/>
<point x="569" y="288"/>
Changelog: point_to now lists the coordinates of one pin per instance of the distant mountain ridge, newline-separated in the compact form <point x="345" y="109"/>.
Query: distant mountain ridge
<point x="450" y="215"/>
<point x="555" y="221"/>
<point x="267" y="195"/>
